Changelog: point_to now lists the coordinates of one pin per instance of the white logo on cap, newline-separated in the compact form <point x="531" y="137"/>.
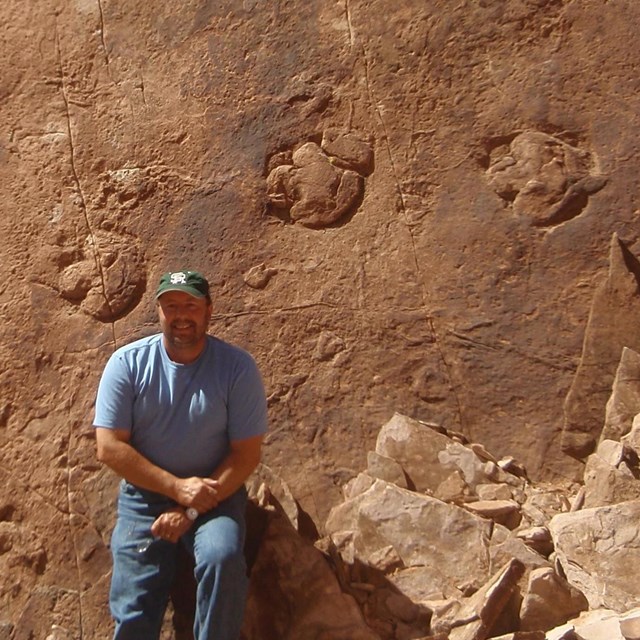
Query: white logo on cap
<point x="179" y="278"/>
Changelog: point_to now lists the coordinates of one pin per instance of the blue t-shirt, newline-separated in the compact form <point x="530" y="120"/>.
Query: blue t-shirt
<point x="182" y="417"/>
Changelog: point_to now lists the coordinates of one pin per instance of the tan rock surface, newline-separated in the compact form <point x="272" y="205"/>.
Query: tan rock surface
<point x="624" y="403"/>
<point x="608" y="484"/>
<point x="610" y="329"/>
<point x="598" y="549"/>
<point x="392" y="529"/>
<point x="549" y="601"/>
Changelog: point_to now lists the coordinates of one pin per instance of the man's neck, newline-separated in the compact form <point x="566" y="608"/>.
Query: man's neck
<point x="186" y="355"/>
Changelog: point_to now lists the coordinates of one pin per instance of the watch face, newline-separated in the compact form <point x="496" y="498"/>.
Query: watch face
<point x="192" y="514"/>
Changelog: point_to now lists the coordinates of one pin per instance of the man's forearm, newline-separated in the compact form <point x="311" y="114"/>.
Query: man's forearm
<point x="116" y="452"/>
<point x="232" y="472"/>
<point x="200" y="493"/>
<point x="136" y="469"/>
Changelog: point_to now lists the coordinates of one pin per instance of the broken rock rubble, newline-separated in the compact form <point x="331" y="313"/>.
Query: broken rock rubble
<point x="437" y="539"/>
<point x="437" y="520"/>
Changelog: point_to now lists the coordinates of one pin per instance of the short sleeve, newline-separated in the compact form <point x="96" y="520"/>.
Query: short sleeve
<point x="114" y="402"/>
<point x="247" y="403"/>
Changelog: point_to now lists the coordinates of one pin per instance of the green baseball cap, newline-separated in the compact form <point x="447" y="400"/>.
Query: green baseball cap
<point x="191" y="282"/>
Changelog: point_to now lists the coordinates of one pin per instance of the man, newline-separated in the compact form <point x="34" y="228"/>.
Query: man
<point x="180" y="416"/>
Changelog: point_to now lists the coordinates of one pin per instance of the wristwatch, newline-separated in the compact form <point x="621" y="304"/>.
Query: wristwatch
<point x="191" y="513"/>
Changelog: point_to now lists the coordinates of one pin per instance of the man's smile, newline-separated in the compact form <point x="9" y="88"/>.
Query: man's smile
<point x="183" y="325"/>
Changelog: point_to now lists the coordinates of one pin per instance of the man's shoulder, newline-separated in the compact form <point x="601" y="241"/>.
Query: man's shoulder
<point x="222" y="349"/>
<point x="140" y="347"/>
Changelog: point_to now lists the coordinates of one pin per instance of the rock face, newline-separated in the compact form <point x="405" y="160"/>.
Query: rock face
<point x="544" y="178"/>
<point x="610" y="329"/>
<point x="313" y="190"/>
<point x="402" y="206"/>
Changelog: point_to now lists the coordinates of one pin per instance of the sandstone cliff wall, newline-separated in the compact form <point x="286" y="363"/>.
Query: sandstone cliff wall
<point x="442" y="248"/>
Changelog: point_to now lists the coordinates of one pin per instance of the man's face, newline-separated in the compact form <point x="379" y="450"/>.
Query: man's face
<point x="184" y="320"/>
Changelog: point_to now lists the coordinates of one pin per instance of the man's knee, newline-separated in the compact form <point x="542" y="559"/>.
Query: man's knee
<point x="223" y="553"/>
<point x="219" y="542"/>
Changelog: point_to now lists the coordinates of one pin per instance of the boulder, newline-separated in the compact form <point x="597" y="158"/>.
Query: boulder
<point x="538" y="539"/>
<point x="549" y="601"/>
<point x="544" y="502"/>
<point x="494" y="492"/>
<point x="416" y="447"/>
<point x="379" y="466"/>
<point x="522" y="635"/>
<point x="390" y="528"/>
<point x="632" y="439"/>
<point x="599" y="552"/>
<point x="305" y="601"/>
<point x="609" y="482"/>
<point x="476" y="617"/>
<point x="599" y="624"/>
<point x="437" y="464"/>
<point x="624" y="401"/>
<point x="506" y="544"/>
<point x="630" y="624"/>
<point x="505" y="512"/>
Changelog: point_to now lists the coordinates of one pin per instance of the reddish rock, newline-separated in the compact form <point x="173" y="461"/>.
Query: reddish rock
<point x="140" y="136"/>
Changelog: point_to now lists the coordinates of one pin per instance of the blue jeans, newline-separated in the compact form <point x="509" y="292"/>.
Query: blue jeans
<point x="144" y="566"/>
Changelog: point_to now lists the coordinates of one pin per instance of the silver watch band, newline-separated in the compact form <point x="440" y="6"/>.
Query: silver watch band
<point x="191" y="513"/>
